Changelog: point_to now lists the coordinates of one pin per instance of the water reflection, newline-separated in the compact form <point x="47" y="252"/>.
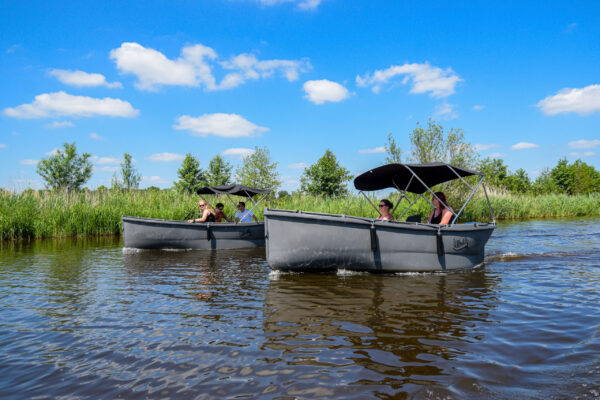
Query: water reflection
<point x="393" y="331"/>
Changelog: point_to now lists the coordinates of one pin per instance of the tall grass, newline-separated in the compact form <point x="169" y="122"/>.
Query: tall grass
<point x="32" y="214"/>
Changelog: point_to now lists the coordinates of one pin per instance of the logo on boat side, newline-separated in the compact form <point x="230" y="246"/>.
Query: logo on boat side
<point x="460" y="244"/>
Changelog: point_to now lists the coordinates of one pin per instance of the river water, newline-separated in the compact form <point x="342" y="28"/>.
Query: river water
<point x="83" y="319"/>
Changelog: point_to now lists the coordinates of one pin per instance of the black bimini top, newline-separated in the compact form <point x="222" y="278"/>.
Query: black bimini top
<point x="399" y="176"/>
<point x="235" y="189"/>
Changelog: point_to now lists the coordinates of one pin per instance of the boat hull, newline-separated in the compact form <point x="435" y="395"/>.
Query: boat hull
<point x="148" y="233"/>
<point x="302" y="241"/>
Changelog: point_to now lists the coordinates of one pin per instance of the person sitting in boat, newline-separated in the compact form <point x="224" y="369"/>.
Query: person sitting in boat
<point x="243" y="215"/>
<point x="208" y="214"/>
<point x="441" y="214"/>
<point x="220" y="215"/>
<point x="384" y="208"/>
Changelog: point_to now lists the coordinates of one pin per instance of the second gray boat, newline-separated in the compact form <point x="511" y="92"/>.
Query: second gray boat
<point x="307" y="241"/>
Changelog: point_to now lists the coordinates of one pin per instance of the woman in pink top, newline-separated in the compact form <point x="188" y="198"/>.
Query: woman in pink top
<point x="384" y="208"/>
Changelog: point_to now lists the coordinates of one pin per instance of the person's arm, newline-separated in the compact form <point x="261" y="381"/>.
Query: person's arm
<point x="204" y="216"/>
<point x="254" y="218"/>
<point x="446" y="217"/>
<point x="227" y="218"/>
<point x="430" y="216"/>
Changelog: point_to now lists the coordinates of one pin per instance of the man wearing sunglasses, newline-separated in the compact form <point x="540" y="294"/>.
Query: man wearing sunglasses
<point x="243" y="215"/>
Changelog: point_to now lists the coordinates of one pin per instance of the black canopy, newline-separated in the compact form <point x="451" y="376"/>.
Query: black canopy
<point x="399" y="175"/>
<point x="235" y="189"/>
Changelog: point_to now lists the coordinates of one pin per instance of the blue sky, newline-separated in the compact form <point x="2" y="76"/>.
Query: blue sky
<point x="161" y="79"/>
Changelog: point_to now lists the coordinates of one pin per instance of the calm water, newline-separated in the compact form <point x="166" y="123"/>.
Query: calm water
<point x="81" y="319"/>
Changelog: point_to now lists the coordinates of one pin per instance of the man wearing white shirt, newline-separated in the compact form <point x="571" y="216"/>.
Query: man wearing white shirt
<point x="243" y="215"/>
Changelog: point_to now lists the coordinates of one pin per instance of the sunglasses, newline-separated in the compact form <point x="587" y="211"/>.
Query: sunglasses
<point x="382" y="205"/>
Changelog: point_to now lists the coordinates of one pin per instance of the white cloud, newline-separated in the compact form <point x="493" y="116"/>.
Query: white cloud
<point x="484" y="146"/>
<point x="581" y="101"/>
<point x="299" y="165"/>
<point x="152" y="68"/>
<point x="166" y="157"/>
<point x="28" y="161"/>
<point x="155" y="180"/>
<point x="2" y="146"/>
<point x="106" y="168"/>
<point x="497" y="155"/>
<point x="524" y="145"/>
<point x="105" y="160"/>
<point x="95" y="136"/>
<point x="478" y="107"/>
<point x="248" y="67"/>
<point x="324" y="90"/>
<point x="82" y="79"/>
<point x="446" y="111"/>
<point x="302" y="4"/>
<point x="219" y="124"/>
<point x="424" y="78"/>
<point x="193" y="68"/>
<point x="584" y="144"/>
<point x="63" y="104"/>
<point x="52" y="152"/>
<point x="375" y="150"/>
<point x="584" y="154"/>
<point x="237" y="152"/>
<point x="59" y="124"/>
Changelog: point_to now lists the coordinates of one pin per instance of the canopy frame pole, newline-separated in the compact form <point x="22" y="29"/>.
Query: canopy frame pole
<point x="370" y="202"/>
<point x="489" y="204"/>
<point x="231" y="202"/>
<point x="349" y="205"/>
<point x="468" y="200"/>
<point x="403" y="194"/>
<point x="459" y="177"/>
<point x="431" y="191"/>
<point x="258" y="202"/>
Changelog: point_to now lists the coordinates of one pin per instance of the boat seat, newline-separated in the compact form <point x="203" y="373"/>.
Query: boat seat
<point x="413" y="218"/>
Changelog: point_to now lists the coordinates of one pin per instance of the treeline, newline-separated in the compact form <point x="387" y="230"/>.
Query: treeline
<point x="66" y="170"/>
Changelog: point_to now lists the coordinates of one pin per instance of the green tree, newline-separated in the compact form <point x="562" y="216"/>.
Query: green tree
<point x="282" y="193"/>
<point x="544" y="183"/>
<point x="130" y="176"/>
<point x="258" y="171"/>
<point x="433" y="144"/>
<point x="191" y="176"/>
<point x="518" y="182"/>
<point x="65" y="169"/>
<point x="562" y="176"/>
<point x="495" y="171"/>
<point x="393" y="150"/>
<point x="219" y="171"/>
<point x="325" y="177"/>
<point x="585" y="180"/>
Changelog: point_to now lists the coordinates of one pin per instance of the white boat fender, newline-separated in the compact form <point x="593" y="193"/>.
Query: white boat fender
<point x="373" y="238"/>
<point x="440" y="243"/>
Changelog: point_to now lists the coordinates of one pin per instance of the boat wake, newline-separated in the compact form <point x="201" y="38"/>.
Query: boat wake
<point x="510" y="256"/>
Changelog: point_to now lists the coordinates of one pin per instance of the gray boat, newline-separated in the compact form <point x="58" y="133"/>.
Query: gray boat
<point x="309" y="241"/>
<point x="150" y="233"/>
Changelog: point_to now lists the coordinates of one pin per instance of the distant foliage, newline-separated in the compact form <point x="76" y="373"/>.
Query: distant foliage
<point x="394" y="152"/>
<point x="282" y="193"/>
<point x="433" y="144"/>
<point x="219" y="171"/>
<point x="572" y="179"/>
<point x="65" y="169"/>
<point x="258" y="171"/>
<point x="130" y="178"/>
<point x="191" y="176"/>
<point x="325" y="177"/>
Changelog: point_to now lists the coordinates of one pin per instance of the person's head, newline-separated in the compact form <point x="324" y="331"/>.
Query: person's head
<point x="385" y="205"/>
<point x="219" y="206"/>
<point x="436" y="202"/>
<point x="203" y="205"/>
<point x="241" y="206"/>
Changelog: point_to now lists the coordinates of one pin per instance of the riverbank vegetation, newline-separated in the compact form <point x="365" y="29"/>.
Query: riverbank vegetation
<point x="39" y="214"/>
<point x="67" y="209"/>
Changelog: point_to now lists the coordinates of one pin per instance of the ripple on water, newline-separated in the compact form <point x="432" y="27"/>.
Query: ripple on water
<point x="84" y="318"/>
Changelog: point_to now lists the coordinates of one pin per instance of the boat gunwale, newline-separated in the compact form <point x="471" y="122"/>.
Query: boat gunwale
<point x="151" y="221"/>
<point x="464" y="227"/>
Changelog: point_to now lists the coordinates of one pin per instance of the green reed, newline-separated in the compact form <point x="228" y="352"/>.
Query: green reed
<point x="32" y="214"/>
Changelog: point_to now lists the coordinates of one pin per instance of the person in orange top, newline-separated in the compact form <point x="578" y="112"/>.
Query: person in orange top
<point x="220" y="215"/>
